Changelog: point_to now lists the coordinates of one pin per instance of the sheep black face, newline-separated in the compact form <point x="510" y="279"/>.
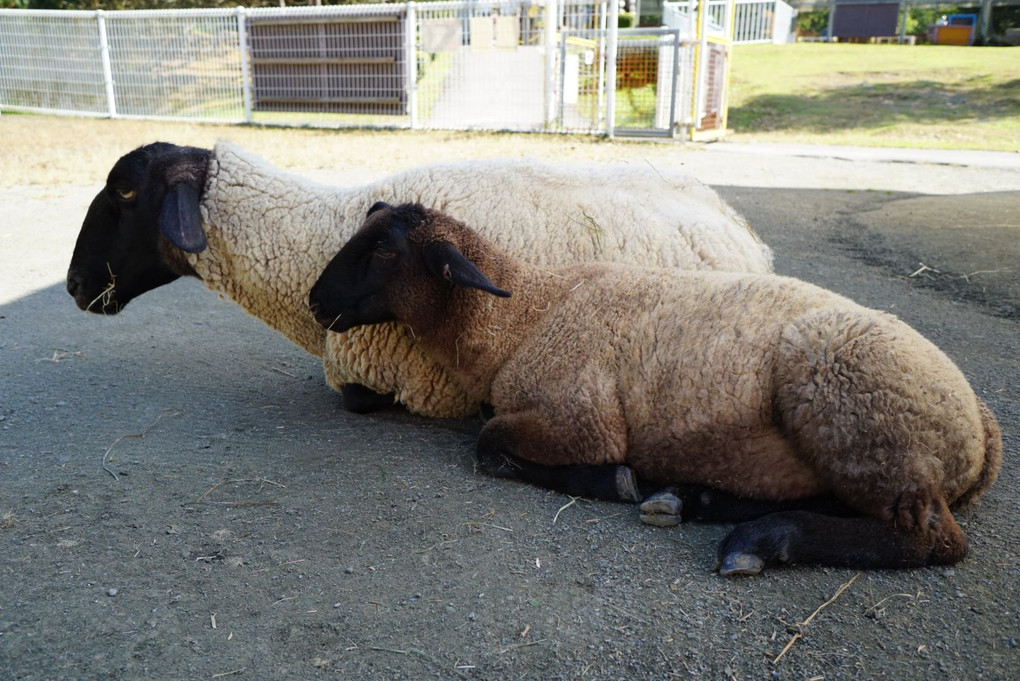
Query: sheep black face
<point x="382" y="273"/>
<point x="130" y="237"/>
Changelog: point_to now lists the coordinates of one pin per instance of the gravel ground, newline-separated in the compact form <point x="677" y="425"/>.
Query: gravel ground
<point x="184" y="498"/>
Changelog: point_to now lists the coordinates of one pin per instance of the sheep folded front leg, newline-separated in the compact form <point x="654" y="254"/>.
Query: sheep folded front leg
<point x="918" y="532"/>
<point x="509" y="445"/>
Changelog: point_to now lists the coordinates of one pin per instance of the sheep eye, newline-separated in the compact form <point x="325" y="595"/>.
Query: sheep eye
<point x="382" y="251"/>
<point x="127" y="194"/>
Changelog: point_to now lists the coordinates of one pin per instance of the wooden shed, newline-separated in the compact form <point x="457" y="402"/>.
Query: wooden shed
<point x="862" y="20"/>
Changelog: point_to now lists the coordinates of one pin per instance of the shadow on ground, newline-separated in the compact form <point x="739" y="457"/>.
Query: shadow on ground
<point x="183" y="498"/>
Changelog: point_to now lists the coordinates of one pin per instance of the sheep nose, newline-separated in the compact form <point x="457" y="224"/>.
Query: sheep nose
<point x="316" y="311"/>
<point x="74" y="283"/>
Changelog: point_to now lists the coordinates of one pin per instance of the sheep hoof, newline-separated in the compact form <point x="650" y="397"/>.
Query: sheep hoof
<point x="660" y="520"/>
<point x="626" y="485"/>
<point x="741" y="564"/>
<point x="662" y="509"/>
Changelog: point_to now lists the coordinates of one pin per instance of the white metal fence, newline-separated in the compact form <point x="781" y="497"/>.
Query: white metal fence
<point x="166" y="64"/>
<point x="487" y="64"/>
<point x="755" y="21"/>
<point x="770" y="21"/>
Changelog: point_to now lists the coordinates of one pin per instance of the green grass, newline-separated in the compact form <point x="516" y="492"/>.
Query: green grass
<point x="921" y="96"/>
<point x="635" y="107"/>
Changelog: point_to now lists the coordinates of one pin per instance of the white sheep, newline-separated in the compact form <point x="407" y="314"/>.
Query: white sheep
<point x="261" y="237"/>
<point x="761" y="386"/>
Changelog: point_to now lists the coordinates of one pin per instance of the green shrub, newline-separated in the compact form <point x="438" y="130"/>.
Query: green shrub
<point x="813" y="23"/>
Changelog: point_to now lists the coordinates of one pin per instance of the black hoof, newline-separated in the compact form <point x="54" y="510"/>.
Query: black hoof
<point x="662" y="509"/>
<point x="753" y="545"/>
<point x="740" y="564"/>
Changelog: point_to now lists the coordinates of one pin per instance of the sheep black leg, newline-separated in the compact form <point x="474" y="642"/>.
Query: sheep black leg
<point x="496" y="456"/>
<point x="362" y="400"/>
<point x="930" y="536"/>
<point x="683" y="503"/>
<point x="606" y="483"/>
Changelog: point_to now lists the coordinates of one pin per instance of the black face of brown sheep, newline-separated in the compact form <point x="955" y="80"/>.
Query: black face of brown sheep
<point x="358" y="285"/>
<point x="148" y="207"/>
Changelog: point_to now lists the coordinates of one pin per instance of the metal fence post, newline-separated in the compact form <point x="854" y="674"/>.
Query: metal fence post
<point x="700" y="67"/>
<point x="614" y="34"/>
<point x="551" y="26"/>
<point x="563" y="79"/>
<point x="104" y="53"/>
<point x="675" y="82"/>
<point x="242" y="41"/>
<point x="410" y="43"/>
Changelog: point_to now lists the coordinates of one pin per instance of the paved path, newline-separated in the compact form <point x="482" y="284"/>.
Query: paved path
<point x="496" y="89"/>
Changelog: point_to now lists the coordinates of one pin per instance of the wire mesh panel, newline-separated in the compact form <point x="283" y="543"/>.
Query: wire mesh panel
<point x="176" y="64"/>
<point x="676" y="71"/>
<point x="581" y="85"/>
<point x="51" y="61"/>
<point x="637" y="83"/>
<point x="582" y="80"/>
<point x="349" y="60"/>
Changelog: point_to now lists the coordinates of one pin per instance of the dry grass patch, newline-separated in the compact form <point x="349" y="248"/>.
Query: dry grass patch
<point x="51" y="150"/>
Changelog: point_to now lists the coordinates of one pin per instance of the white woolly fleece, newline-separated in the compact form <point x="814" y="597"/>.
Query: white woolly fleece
<point x="271" y="234"/>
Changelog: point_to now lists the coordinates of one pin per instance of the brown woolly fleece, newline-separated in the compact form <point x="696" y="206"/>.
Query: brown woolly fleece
<point x="760" y="385"/>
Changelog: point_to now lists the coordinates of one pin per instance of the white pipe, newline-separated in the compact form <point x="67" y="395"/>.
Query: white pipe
<point x="104" y="51"/>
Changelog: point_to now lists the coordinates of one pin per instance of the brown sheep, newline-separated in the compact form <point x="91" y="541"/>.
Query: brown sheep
<point x="762" y="386"/>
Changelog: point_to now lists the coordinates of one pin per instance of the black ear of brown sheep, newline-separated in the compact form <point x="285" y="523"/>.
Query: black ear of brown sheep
<point x="377" y="206"/>
<point x="443" y="259"/>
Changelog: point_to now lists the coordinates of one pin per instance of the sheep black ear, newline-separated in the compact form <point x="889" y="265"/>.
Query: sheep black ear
<point x="444" y="260"/>
<point x="377" y="206"/>
<point x="181" y="221"/>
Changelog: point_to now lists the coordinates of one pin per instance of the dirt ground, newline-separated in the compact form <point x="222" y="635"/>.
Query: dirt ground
<point x="183" y="497"/>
